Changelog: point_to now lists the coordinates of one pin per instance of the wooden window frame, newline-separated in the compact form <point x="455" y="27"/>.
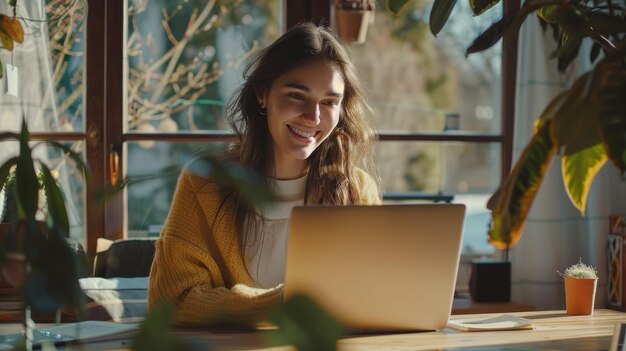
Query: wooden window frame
<point x="105" y="98"/>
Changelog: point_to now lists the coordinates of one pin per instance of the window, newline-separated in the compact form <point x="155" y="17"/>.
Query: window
<point x="184" y="62"/>
<point x="154" y="111"/>
<point x="44" y="84"/>
<point x="437" y="112"/>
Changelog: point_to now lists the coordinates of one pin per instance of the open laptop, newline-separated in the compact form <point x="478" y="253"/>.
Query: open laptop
<point x="377" y="268"/>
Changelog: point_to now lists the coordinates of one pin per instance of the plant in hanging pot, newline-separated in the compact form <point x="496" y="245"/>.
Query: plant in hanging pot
<point x="352" y="19"/>
<point x="580" y="288"/>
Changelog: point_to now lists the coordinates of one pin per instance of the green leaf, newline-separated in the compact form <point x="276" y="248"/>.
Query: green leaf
<point x="26" y="177"/>
<point x="604" y="23"/>
<point x="439" y="14"/>
<point x="155" y="334"/>
<point x="553" y="106"/>
<point x="576" y="123"/>
<point x="595" y="52"/>
<point x="395" y="6"/>
<point x="567" y="45"/>
<point x="57" y="213"/>
<point x="511" y="202"/>
<point x="250" y="186"/>
<point x="613" y="117"/>
<point x="53" y="280"/>
<point x="579" y="170"/>
<point x="480" y="6"/>
<point x="77" y="158"/>
<point x="491" y="36"/>
<point x="303" y="324"/>
<point x="12" y="2"/>
<point x="5" y="169"/>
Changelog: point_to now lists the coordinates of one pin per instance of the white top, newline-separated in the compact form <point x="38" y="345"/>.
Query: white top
<point x="266" y="261"/>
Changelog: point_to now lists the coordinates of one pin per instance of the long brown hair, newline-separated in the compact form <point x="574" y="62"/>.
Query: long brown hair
<point x="332" y="178"/>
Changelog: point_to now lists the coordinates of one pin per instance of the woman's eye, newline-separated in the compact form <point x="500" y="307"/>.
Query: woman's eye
<point x="296" y="96"/>
<point x="330" y="103"/>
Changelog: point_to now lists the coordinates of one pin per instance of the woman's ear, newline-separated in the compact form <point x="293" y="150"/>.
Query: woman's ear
<point x="260" y="98"/>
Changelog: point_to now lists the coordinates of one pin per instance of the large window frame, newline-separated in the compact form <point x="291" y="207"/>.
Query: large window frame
<point x="105" y="99"/>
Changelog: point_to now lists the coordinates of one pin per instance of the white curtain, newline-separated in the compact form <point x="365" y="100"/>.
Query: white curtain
<point x="556" y="235"/>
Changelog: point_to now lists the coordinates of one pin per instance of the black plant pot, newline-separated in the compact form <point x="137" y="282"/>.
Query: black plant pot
<point x="490" y="281"/>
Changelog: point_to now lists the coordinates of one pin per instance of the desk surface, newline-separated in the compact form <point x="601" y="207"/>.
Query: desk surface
<point x="554" y="330"/>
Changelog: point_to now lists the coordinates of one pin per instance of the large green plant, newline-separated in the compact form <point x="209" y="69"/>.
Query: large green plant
<point x="585" y="123"/>
<point x="51" y="265"/>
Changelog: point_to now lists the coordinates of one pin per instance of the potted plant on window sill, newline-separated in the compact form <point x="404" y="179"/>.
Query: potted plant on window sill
<point x="36" y="250"/>
<point x="352" y="19"/>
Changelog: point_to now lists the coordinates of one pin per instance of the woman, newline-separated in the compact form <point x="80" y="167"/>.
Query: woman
<point x="300" y="120"/>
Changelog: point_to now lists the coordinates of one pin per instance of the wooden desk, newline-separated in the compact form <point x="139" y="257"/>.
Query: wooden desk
<point x="553" y="330"/>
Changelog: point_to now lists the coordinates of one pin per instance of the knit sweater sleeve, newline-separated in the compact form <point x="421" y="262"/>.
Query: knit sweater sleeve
<point x="185" y="273"/>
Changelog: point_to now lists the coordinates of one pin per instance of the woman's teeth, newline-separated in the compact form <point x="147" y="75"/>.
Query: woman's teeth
<point x="301" y="132"/>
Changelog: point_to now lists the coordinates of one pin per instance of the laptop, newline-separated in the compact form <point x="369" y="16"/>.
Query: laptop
<point x="377" y="268"/>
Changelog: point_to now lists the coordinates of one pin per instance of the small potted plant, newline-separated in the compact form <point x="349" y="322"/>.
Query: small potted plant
<point x="580" y="288"/>
<point x="352" y="18"/>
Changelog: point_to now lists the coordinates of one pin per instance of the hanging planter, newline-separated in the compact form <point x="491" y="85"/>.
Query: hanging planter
<point x="352" y="19"/>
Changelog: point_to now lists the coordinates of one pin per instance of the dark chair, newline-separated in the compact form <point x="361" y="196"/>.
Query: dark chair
<point x="125" y="259"/>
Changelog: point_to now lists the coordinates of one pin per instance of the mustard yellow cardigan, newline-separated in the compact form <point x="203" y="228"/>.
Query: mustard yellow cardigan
<point x="197" y="265"/>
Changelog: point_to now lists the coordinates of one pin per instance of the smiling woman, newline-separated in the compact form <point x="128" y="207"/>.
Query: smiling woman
<point x="301" y="123"/>
<point x="303" y="107"/>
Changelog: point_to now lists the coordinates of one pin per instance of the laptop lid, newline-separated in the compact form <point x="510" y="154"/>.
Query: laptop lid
<point x="388" y="267"/>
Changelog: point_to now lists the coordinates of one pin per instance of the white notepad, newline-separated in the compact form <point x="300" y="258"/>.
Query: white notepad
<point x="501" y="322"/>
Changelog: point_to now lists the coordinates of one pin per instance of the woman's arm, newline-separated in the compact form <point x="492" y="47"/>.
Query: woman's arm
<point x="185" y="273"/>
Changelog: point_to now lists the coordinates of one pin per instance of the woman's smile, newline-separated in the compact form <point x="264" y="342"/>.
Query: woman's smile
<point x="303" y="134"/>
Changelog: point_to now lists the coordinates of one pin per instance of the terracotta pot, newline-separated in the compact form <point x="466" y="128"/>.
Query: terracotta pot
<point x="13" y="271"/>
<point x="580" y="295"/>
<point x="352" y="24"/>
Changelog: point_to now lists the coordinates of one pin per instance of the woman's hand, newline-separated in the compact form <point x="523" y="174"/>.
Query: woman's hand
<point x="248" y="291"/>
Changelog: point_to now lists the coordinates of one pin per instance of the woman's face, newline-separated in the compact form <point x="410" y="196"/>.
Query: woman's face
<point x="303" y="107"/>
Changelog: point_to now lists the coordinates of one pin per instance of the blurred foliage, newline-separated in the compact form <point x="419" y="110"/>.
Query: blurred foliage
<point x="305" y="325"/>
<point x="586" y="123"/>
<point x="155" y="334"/>
<point x="52" y="267"/>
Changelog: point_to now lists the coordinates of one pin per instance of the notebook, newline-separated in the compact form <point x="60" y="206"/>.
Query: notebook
<point x="81" y="332"/>
<point x="377" y="268"/>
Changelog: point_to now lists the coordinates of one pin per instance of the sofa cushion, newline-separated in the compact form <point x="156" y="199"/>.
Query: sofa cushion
<point x="115" y="299"/>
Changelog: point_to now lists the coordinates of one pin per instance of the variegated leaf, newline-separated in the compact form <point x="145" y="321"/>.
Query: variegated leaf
<point x="395" y="6"/>
<point x="511" y="203"/>
<point x="578" y="170"/>
<point x="613" y="117"/>
<point x="480" y="6"/>
<point x="576" y="123"/>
